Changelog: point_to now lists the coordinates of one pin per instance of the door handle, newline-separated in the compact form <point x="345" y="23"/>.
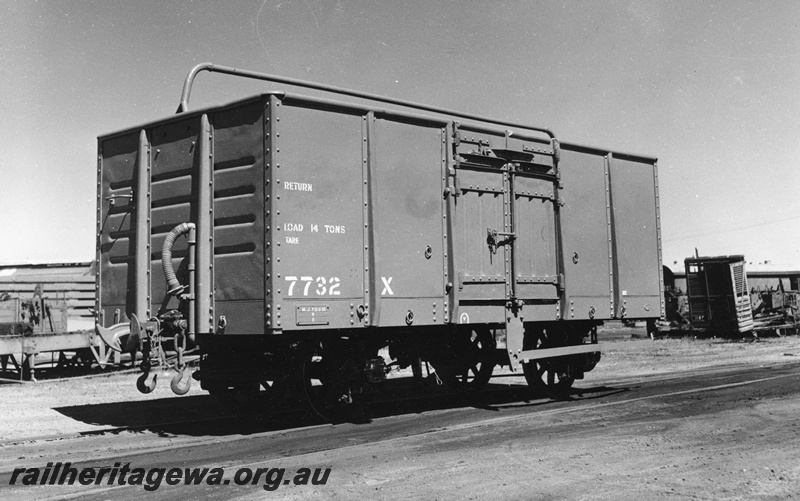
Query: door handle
<point x="493" y="242"/>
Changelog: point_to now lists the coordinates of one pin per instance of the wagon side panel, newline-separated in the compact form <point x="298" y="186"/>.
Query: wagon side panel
<point x="316" y="228"/>
<point x="238" y="218"/>
<point x="585" y="233"/>
<point x="636" y="237"/>
<point x="175" y="160"/>
<point x="407" y="183"/>
<point x="117" y="161"/>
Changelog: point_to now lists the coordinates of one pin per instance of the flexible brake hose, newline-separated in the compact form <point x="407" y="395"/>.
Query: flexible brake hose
<point x="173" y="285"/>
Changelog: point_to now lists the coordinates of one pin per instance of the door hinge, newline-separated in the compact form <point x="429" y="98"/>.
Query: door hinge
<point x="456" y="135"/>
<point x="455" y="188"/>
<point x="556" y="150"/>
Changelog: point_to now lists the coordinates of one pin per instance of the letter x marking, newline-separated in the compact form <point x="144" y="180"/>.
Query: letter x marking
<point x="387" y="288"/>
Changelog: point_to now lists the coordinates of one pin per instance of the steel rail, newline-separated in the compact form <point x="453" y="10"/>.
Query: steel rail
<point x="571" y="406"/>
<point x="214" y="68"/>
<point x="389" y="441"/>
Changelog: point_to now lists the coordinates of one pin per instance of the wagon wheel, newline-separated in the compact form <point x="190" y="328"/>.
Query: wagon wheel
<point x="83" y="358"/>
<point x="471" y="360"/>
<point x="545" y="374"/>
<point x="249" y="398"/>
<point x="325" y="377"/>
<point x="277" y="394"/>
<point x="235" y="397"/>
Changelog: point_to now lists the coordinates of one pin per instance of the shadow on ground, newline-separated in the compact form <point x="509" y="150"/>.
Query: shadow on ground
<point x="205" y="415"/>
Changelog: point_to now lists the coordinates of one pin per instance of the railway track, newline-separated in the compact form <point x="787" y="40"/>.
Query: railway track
<point x="495" y="394"/>
<point x="398" y="424"/>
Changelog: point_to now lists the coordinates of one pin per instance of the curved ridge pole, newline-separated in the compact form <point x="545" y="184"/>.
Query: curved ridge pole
<point x="187" y="90"/>
<point x="187" y="85"/>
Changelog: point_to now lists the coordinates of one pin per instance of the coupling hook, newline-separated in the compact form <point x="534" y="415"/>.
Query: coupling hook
<point x="144" y="387"/>
<point x="177" y="386"/>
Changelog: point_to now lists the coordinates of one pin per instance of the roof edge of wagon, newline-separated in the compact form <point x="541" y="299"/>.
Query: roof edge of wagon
<point x="433" y="117"/>
<point x="438" y="118"/>
<point x="617" y="154"/>
<point x="395" y="110"/>
<point x="199" y="111"/>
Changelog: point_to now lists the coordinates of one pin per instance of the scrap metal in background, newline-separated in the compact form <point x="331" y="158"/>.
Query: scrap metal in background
<point x="719" y="296"/>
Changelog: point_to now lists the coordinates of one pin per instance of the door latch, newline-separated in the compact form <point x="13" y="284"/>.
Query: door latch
<point x="493" y="242"/>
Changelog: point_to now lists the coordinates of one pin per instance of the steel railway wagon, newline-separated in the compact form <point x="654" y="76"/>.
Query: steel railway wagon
<point x="320" y="231"/>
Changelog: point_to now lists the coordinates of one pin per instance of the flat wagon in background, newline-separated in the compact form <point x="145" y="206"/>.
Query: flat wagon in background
<point x="48" y="309"/>
<point x="320" y="231"/>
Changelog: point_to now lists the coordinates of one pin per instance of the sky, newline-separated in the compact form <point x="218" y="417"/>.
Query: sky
<point x="712" y="89"/>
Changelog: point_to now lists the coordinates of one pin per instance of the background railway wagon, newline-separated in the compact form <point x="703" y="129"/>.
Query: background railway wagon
<point x="371" y="225"/>
<point x="760" y="276"/>
<point x="46" y="308"/>
<point x="65" y="289"/>
<point x="771" y="290"/>
<point x="718" y="296"/>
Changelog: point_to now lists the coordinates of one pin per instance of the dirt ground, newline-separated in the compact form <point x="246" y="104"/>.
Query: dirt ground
<point x="643" y="425"/>
<point x="30" y="409"/>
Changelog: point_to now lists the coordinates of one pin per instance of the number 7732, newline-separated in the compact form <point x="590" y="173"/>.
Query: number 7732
<point x="324" y="287"/>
